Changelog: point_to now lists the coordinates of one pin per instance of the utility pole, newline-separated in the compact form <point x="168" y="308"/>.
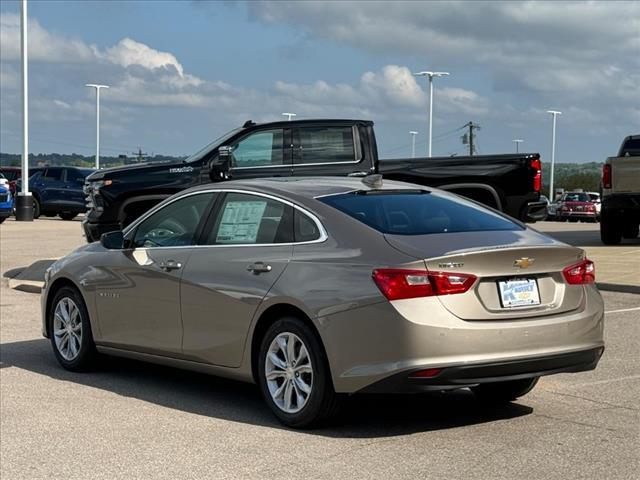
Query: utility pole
<point x="413" y="134"/>
<point x="468" y="138"/>
<point x="430" y="75"/>
<point x="517" y="141"/>
<point x="97" y="87"/>
<point x="140" y="155"/>
<point x="554" y="114"/>
<point x="24" y="201"/>
<point x="289" y="115"/>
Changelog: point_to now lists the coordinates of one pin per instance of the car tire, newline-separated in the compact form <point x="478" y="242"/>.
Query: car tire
<point x="503" y="392"/>
<point x="67" y="215"/>
<point x="78" y="353"/>
<point x="2" y="219"/>
<point x="631" y="231"/>
<point x="301" y="395"/>
<point x="37" y="210"/>
<point x="610" y="234"/>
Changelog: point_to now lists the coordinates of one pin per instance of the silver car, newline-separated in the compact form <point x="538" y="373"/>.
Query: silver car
<point x="319" y="287"/>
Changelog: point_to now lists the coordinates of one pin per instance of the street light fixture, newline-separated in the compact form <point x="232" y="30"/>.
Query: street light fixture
<point x="430" y="75"/>
<point x="413" y="143"/>
<point x="517" y="141"/>
<point x="289" y="115"/>
<point x="554" y="114"/>
<point x="97" y="87"/>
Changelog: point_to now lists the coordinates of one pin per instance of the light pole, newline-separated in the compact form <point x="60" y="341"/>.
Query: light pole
<point x="517" y="141"/>
<point x="554" y="114"/>
<point x="289" y="115"/>
<point x="413" y="143"/>
<point x="97" y="87"/>
<point x="430" y="75"/>
<point x="24" y="201"/>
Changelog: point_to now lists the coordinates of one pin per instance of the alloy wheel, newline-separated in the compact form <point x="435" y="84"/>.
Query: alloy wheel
<point x="289" y="372"/>
<point x="67" y="328"/>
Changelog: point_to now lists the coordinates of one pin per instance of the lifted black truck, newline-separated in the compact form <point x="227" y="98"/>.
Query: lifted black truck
<point x="117" y="196"/>
<point x="620" y="211"/>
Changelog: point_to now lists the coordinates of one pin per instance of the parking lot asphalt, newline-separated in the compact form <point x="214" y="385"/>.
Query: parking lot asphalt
<point x="132" y="420"/>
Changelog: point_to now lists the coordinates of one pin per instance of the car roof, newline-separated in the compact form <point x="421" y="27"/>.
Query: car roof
<point x="308" y="187"/>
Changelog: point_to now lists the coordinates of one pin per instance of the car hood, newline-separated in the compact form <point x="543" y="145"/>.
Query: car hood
<point x="115" y="172"/>
<point x="441" y="244"/>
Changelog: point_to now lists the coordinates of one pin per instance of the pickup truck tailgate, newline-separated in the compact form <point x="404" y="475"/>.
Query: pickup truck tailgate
<point x="625" y="174"/>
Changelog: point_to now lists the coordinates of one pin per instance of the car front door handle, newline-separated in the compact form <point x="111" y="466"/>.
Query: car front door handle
<point x="259" y="267"/>
<point x="169" y="265"/>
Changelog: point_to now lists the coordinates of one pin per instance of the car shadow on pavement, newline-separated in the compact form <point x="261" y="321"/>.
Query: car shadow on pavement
<point x="364" y="416"/>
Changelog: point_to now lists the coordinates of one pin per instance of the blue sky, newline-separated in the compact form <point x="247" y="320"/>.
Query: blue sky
<point x="181" y="73"/>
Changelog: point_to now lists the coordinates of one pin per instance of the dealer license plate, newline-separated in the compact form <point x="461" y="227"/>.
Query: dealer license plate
<point x="519" y="293"/>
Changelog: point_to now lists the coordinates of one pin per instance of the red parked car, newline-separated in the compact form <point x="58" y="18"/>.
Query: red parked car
<point x="574" y="206"/>
<point x="13" y="174"/>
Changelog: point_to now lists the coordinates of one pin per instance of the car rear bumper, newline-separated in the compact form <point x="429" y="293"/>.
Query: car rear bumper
<point x="458" y="376"/>
<point x="370" y="344"/>
<point x="535" y="211"/>
<point x="578" y="215"/>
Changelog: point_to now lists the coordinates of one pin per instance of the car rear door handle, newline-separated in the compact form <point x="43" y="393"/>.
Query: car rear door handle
<point x="259" y="267"/>
<point x="169" y="265"/>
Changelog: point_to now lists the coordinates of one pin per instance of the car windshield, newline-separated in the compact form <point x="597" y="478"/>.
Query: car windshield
<point x="9" y="174"/>
<point x="217" y="142"/>
<point x="418" y="212"/>
<point x="576" y="197"/>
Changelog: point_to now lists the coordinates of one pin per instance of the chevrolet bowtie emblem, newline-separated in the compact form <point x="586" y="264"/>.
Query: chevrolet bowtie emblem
<point x="524" y="262"/>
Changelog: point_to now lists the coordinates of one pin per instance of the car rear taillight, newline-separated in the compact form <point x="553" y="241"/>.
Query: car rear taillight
<point x="536" y="164"/>
<point x="606" y="175"/>
<point x="397" y="284"/>
<point x="581" y="273"/>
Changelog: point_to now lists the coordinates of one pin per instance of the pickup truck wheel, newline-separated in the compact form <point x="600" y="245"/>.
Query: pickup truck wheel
<point x="68" y="215"/>
<point x="610" y="234"/>
<point x="631" y="231"/>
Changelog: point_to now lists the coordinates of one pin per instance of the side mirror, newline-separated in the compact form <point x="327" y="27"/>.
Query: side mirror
<point x="112" y="240"/>
<point x="220" y="165"/>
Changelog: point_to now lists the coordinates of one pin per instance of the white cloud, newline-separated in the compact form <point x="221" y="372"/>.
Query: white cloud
<point x="129" y="52"/>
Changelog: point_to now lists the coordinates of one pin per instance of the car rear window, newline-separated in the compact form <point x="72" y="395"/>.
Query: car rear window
<point x="577" y="197"/>
<point x="418" y="213"/>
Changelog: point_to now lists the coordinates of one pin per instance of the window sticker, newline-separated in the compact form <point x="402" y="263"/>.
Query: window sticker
<point x="240" y="222"/>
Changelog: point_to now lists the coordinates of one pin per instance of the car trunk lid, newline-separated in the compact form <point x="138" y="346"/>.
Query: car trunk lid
<point x="496" y="257"/>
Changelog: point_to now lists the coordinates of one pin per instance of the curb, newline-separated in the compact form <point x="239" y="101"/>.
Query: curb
<point x="616" y="287"/>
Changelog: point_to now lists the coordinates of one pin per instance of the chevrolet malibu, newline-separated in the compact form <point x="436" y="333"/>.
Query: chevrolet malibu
<point x="317" y="288"/>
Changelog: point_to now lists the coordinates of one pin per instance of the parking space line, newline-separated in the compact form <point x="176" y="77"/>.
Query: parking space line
<point x="623" y="310"/>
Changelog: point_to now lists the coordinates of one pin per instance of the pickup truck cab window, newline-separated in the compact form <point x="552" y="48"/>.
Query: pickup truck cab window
<point x="245" y="219"/>
<point x="326" y="144"/>
<point x="260" y="149"/>
<point x="174" y="225"/>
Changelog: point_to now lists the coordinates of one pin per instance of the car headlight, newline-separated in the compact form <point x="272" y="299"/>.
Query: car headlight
<point x="98" y="184"/>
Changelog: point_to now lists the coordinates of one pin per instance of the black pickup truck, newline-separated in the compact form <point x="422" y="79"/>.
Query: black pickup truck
<point x="117" y="196"/>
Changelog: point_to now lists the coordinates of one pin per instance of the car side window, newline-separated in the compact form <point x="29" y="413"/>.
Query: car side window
<point x="251" y="219"/>
<point x="326" y="145"/>
<point x="263" y="148"/>
<point x="175" y="224"/>
<point x="75" y="176"/>
<point x="52" y="175"/>
<point x="305" y="229"/>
